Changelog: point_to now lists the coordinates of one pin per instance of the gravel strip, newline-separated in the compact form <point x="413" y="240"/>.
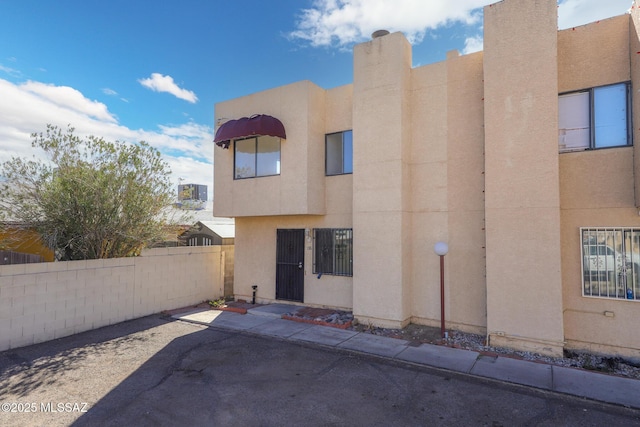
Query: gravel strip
<point x="424" y="334"/>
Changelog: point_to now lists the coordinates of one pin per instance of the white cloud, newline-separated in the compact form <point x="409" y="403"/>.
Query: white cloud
<point x="28" y="107"/>
<point x="111" y="92"/>
<point x="67" y="98"/>
<point x="572" y="13"/>
<point x="9" y="70"/>
<point x="473" y="44"/>
<point x="342" y="22"/>
<point x="160" y="83"/>
<point x="339" y="23"/>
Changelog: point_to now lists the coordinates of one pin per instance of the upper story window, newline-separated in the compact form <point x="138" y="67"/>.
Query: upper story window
<point x="339" y="153"/>
<point x="256" y="156"/>
<point x="594" y="118"/>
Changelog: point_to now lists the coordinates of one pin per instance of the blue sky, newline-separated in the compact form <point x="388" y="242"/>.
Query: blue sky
<point x="153" y="70"/>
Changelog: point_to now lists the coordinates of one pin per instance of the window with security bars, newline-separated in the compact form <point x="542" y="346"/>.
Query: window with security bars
<point x="333" y="251"/>
<point x="611" y="262"/>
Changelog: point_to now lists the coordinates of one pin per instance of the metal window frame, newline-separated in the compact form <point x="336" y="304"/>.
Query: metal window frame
<point x="342" y="172"/>
<point x="335" y="265"/>
<point x="611" y="282"/>
<point x="255" y="158"/>
<point x="592" y="118"/>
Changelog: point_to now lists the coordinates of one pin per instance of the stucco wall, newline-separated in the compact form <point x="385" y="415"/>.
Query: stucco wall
<point x="381" y="180"/>
<point x="634" y="55"/>
<point x="429" y="189"/>
<point x="41" y="302"/>
<point x="596" y="192"/>
<point x="464" y="151"/>
<point x="524" y="299"/>
<point x="299" y="187"/>
<point x="255" y="252"/>
<point x="594" y="55"/>
<point x="597" y="187"/>
<point x="465" y="204"/>
<point x="228" y="259"/>
<point x="255" y="244"/>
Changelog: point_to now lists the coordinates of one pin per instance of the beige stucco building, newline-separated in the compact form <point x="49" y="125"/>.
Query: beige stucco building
<point x="520" y="157"/>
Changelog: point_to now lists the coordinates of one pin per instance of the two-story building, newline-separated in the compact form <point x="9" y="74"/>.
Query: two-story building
<point x="520" y="158"/>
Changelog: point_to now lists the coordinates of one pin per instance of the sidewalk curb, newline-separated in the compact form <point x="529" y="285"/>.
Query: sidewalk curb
<point x="621" y="391"/>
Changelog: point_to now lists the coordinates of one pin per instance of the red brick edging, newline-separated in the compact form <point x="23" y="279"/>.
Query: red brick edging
<point x="233" y="309"/>
<point x="316" y="322"/>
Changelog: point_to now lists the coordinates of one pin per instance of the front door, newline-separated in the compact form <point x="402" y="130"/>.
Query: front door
<point x="290" y="265"/>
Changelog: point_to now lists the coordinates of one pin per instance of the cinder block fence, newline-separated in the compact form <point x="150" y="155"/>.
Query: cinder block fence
<point x="44" y="301"/>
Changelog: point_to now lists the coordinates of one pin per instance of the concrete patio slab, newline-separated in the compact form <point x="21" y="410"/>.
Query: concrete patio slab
<point x="223" y="319"/>
<point x="440" y="357"/>
<point x="203" y="316"/>
<point x="606" y="388"/>
<point x="374" y="344"/>
<point x="239" y="321"/>
<point x="274" y="311"/>
<point x="280" y="328"/>
<point x="515" y="371"/>
<point x="324" y="335"/>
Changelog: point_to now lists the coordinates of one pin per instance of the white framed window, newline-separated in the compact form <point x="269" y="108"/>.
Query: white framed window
<point x="333" y="251"/>
<point x="611" y="262"/>
<point x="256" y="156"/>
<point x="339" y="153"/>
<point x="594" y="118"/>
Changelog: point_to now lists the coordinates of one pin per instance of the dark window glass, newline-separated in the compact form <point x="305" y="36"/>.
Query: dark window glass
<point x="339" y="153"/>
<point x="333" y="251"/>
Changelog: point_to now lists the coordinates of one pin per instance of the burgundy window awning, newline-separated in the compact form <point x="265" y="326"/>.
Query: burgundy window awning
<point x="256" y="125"/>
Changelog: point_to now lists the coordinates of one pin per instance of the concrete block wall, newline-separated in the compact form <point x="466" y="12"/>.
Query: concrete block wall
<point x="41" y="302"/>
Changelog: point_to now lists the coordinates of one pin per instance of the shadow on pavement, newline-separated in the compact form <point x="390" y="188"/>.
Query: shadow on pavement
<point x="26" y="369"/>
<point x="153" y="371"/>
<point x="132" y="398"/>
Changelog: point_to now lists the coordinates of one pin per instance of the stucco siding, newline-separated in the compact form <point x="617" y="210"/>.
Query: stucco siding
<point x="596" y="192"/>
<point x="299" y="187"/>
<point x="594" y="55"/>
<point x="463" y="151"/>
<point x="255" y="251"/>
<point x="381" y="120"/>
<point x="522" y="187"/>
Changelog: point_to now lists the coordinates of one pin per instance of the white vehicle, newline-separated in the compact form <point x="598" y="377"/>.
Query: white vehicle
<point x="602" y="259"/>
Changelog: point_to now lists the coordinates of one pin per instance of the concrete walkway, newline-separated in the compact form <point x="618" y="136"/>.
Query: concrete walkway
<point x="266" y="320"/>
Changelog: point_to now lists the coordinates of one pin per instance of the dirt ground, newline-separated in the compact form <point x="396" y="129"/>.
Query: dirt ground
<point x="419" y="334"/>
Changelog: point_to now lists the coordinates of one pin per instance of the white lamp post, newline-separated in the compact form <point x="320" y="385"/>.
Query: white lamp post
<point x="441" y="249"/>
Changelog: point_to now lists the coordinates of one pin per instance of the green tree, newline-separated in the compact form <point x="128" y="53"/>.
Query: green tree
<point x="93" y="198"/>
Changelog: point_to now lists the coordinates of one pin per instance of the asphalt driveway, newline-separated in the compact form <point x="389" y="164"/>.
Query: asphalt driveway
<point x="154" y="371"/>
